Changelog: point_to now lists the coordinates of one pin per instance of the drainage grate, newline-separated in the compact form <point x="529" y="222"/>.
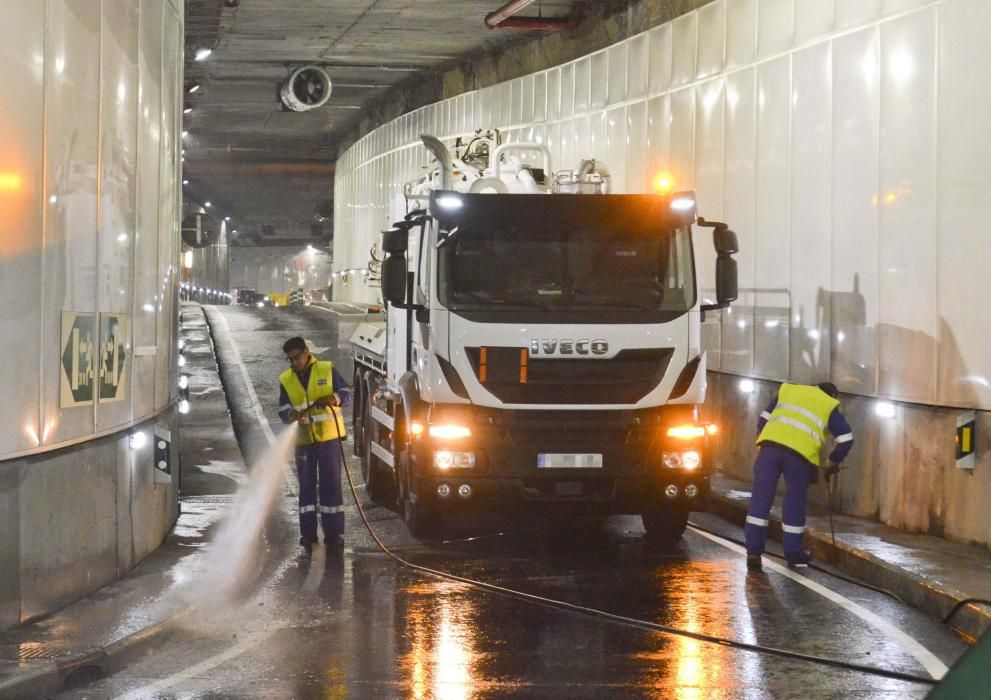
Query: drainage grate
<point x="30" y="650"/>
<point x="229" y="498"/>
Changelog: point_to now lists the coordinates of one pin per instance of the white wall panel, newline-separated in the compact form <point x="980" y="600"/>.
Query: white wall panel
<point x="775" y="22"/>
<point x="853" y="13"/>
<point x="583" y="71"/>
<point x="810" y="211"/>
<point x="617" y="62"/>
<point x="539" y="97"/>
<point x="711" y="39"/>
<point x="118" y="170"/>
<point x="597" y="138"/>
<point x="708" y="185"/>
<point x="170" y="204"/>
<point x="773" y="244"/>
<point x="488" y="104"/>
<point x="567" y="90"/>
<point x="659" y="136"/>
<point x="22" y="53"/>
<point x="965" y="181"/>
<point x="505" y="98"/>
<point x="144" y="317"/>
<point x="854" y="215"/>
<point x="526" y="91"/>
<point x="637" y="176"/>
<point x="741" y="32"/>
<point x="739" y="210"/>
<point x="638" y="61"/>
<point x="599" y="80"/>
<point x="583" y="140"/>
<point x="893" y="6"/>
<point x="907" y="204"/>
<point x="681" y="147"/>
<point x="659" y="75"/>
<point x="684" y="49"/>
<point x="72" y="91"/>
<point x="553" y="94"/>
<point x="813" y="19"/>
<point x="615" y="147"/>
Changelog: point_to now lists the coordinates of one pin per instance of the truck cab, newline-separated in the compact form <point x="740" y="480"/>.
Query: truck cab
<point x="542" y="349"/>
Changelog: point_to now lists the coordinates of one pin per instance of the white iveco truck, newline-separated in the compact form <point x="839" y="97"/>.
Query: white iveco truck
<point x="541" y="347"/>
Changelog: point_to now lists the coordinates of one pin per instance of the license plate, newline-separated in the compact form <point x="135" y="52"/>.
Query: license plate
<point x="551" y="460"/>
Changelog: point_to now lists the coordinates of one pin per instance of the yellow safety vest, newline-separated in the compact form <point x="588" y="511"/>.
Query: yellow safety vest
<point x="320" y="424"/>
<point x="799" y="420"/>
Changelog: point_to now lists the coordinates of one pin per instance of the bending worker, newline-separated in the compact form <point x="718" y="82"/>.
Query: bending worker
<point x="790" y="433"/>
<point x="312" y="393"/>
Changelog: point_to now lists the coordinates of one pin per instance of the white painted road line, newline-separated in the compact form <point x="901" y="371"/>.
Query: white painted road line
<point x="936" y="668"/>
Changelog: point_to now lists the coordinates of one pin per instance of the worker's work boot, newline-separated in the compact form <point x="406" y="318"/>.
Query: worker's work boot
<point x="754" y="563"/>
<point x="801" y="561"/>
<point x="307" y="544"/>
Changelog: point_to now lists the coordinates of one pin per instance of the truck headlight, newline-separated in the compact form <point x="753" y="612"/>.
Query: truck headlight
<point x="449" y="459"/>
<point x="688" y="459"/>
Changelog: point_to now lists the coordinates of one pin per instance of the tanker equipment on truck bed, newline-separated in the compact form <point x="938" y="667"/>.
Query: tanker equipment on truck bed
<point x="541" y="348"/>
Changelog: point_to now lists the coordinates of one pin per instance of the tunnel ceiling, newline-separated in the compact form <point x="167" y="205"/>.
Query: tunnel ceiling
<point x="269" y="168"/>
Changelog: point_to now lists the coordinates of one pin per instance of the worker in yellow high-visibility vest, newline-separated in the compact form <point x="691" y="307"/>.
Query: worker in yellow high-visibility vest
<point x="791" y="432"/>
<point x="312" y="393"/>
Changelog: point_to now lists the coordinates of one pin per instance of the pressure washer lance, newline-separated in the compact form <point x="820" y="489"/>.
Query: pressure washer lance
<point x="829" y="504"/>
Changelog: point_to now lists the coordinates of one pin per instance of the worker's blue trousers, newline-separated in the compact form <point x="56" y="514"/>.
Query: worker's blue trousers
<point x="772" y="462"/>
<point x="319" y="465"/>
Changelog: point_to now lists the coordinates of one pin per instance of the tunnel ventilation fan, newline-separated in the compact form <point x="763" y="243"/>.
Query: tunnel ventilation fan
<point x="199" y="230"/>
<point x="307" y="88"/>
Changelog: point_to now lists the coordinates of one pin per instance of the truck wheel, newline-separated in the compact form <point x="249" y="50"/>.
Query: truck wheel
<point x="420" y="520"/>
<point x="664" y="526"/>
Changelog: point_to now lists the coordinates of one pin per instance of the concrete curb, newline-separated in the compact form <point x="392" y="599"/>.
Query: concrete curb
<point x="50" y="678"/>
<point x="928" y="596"/>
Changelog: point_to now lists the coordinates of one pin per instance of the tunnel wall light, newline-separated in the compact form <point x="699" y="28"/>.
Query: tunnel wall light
<point x="747" y="386"/>
<point x="885" y="409"/>
<point x="137" y="439"/>
<point x="203" y="54"/>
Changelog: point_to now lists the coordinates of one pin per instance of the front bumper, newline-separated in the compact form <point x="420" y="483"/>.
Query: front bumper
<point x="506" y="475"/>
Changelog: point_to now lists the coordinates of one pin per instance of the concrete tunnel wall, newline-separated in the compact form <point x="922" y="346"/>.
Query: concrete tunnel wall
<point x="845" y="142"/>
<point x="89" y="252"/>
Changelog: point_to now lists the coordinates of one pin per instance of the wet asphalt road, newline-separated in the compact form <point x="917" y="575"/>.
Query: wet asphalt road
<point x="357" y="624"/>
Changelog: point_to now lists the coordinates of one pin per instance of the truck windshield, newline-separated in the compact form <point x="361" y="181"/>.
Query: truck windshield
<point x="583" y="260"/>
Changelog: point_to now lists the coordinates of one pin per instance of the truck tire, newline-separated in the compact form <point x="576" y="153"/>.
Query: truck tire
<point x="664" y="526"/>
<point x="421" y="521"/>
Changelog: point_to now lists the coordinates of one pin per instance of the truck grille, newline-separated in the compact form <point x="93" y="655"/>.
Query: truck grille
<point x="515" y="378"/>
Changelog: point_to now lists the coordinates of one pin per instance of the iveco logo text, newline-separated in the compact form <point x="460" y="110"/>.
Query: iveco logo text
<point x="568" y="347"/>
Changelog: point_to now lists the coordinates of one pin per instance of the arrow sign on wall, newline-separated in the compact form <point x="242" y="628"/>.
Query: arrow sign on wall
<point x="78" y="359"/>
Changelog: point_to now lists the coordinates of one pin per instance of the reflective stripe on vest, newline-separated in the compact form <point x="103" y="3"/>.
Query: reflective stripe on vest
<point x="321" y="424"/>
<point x="799" y="420"/>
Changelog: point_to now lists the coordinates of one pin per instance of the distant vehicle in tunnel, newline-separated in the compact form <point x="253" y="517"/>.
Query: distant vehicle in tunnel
<point x="246" y="296"/>
<point x="540" y="349"/>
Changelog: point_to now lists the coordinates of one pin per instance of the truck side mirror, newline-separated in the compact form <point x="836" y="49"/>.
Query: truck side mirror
<point x="395" y="240"/>
<point x="726" y="280"/>
<point x="394" y="279"/>
<point x="725" y="241"/>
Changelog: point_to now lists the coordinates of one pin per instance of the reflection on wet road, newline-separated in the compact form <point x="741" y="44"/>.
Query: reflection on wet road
<point x="356" y="624"/>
